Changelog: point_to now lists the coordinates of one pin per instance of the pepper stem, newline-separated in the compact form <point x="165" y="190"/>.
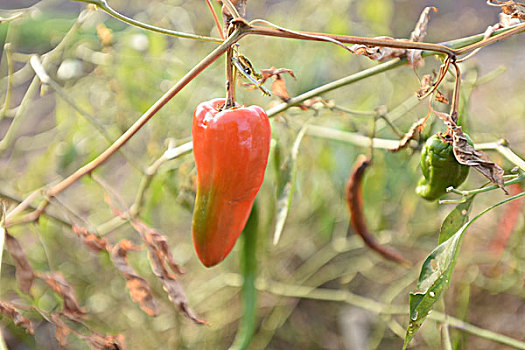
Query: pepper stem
<point x="230" y="80"/>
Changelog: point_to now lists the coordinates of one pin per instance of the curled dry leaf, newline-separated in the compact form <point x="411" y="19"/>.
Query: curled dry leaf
<point x="61" y="329"/>
<point x="8" y="310"/>
<point x="161" y="258"/>
<point x="24" y="272"/>
<point x="467" y="155"/>
<point x="161" y="261"/>
<point x="104" y="341"/>
<point x="92" y="241"/>
<point x="379" y="53"/>
<point x="412" y="133"/>
<point x="354" y="198"/>
<point x="510" y="8"/>
<point x="278" y="85"/>
<point x="58" y="283"/>
<point x="139" y="289"/>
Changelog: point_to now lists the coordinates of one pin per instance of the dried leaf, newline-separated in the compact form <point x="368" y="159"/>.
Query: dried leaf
<point x="91" y="240"/>
<point x="354" y="198"/>
<point x="510" y="8"/>
<point x="467" y="155"/>
<point x="177" y="296"/>
<point x="104" y="341"/>
<point x="413" y="132"/>
<point x="24" y="272"/>
<point x="58" y="283"/>
<point x="139" y="289"/>
<point x="61" y="329"/>
<point x="441" y="98"/>
<point x="420" y="31"/>
<point x="8" y="310"/>
<point x="161" y="258"/>
<point x="279" y="85"/>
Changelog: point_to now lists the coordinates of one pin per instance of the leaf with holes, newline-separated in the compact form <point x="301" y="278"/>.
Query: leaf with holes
<point x="433" y="279"/>
<point x="455" y="220"/>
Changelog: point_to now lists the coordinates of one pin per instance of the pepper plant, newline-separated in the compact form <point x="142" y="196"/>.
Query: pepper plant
<point x="121" y="212"/>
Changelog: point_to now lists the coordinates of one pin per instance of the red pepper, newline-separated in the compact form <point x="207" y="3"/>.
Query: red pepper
<point x="231" y="149"/>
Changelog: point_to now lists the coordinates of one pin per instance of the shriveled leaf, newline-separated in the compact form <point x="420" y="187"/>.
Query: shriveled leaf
<point x="24" y="272"/>
<point x="92" y="241"/>
<point x="433" y="279"/>
<point x="420" y="31"/>
<point x="58" y="283"/>
<point x="286" y="186"/>
<point x="104" y="341"/>
<point x="414" y="131"/>
<point x="278" y="85"/>
<point x="441" y="98"/>
<point x="139" y="289"/>
<point x="510" y="8"/>
<point x="161" y="261"/>
<point x="467" y="155"/>
<point x="455" y="220"/>
<point x="178" y="297"/>
<point x="9" y="311"/>
<point x="61" y="329"/>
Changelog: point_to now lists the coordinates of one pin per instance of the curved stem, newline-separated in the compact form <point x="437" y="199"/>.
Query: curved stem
<point x="103" y="5"/>
<point x="249" y="291"/>
<point x="53" y="191"/>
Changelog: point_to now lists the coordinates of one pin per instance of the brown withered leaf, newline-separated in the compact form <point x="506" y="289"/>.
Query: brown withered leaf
<point x="58" y="283"/>
<point x="420" y="31"/>
<point x="381" y="54"/>
<point x="139" y="289"/>
<point x="161" y="258"/>
<point x="103" y="341"/>
<point x="92" y="241"/>
<point x="161" y="262"/>
<point x="413" y="132"/>
<point x="61" y="329"/>
<point x="278" y="85"/>
<point x="510" y="8"/>
<point x="177" y="296"/>
<point x="441" y="98"/>
<point x="24" y="272"/>
<point x="9" y="311"/>
<point x="468" y="155"/>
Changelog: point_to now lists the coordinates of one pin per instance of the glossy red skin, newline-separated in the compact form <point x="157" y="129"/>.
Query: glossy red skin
<point x="231" y="152"/>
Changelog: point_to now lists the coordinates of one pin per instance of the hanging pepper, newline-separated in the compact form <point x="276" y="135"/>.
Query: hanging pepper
<point x="231" y="149"/>
<point x="440" y="168"/>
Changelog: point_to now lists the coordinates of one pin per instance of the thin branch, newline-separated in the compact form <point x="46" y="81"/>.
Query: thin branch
<point x="40" y="71"/>
<point x="103" y="5"/>
<point x="344" y="296"/>
<point x="10" y="71"/>
<point x="215" y="19"/>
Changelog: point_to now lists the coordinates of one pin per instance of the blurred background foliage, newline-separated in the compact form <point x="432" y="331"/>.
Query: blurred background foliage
<point x="116" y="72"/>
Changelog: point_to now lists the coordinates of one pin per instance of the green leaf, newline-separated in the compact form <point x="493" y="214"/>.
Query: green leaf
<point x="436" y="271"/>
<point x="433" y="279"/>
<point x="286" y="186"/>
<point x="455" y="220"/>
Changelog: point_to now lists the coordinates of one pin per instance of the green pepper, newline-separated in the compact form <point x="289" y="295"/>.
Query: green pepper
<point x="440" y="168"/>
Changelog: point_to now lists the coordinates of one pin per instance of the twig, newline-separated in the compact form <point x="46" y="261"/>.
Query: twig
<point x="40" y="71"/>
<point x="215" y="19"/>
<point x="344" y="296"/>
<point x="53" y="191"/>
<point x="10" y="71"/>
<point x="103" y="5"/>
